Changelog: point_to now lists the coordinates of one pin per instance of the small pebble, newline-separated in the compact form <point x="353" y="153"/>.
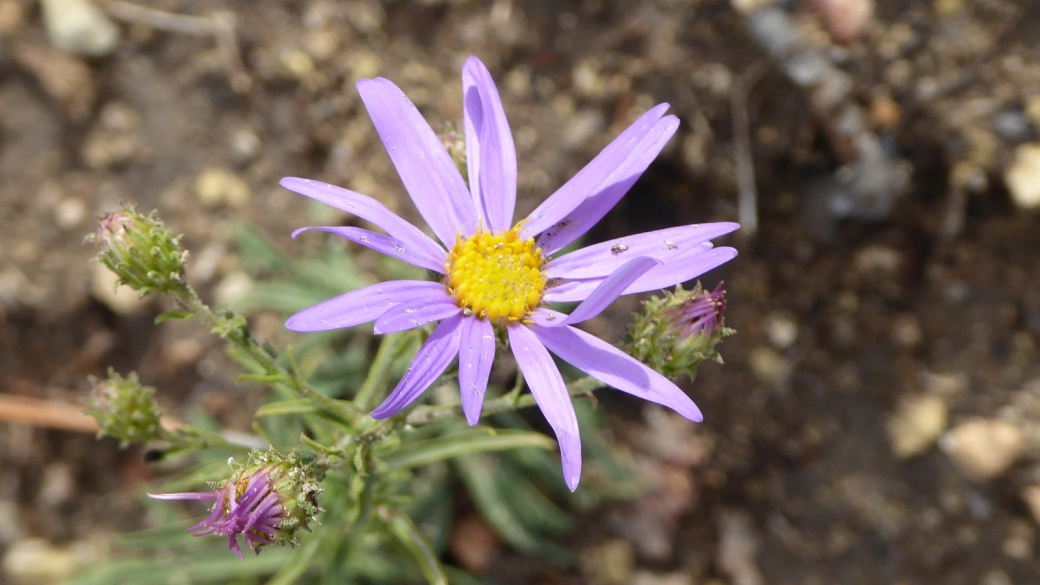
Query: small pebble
<point x="781" y="330"/>
<point x="245" y="145"/>
<point x="115" y="139"/>
<point x="79" y="27"/>
<point x="581" y="127"/>
<point x="11" y="526"/>
<point x="36" y="561"/>
<point x="215" y="187"/>
<point x="610" y="563"/>
<point x="56" y="486"/>
<point x="64" y="77"/>
<point x="69" y="213"/>
<point x="643" y="577"/>
<point x="1023" y="176"/>
<point x="916" y="424"/>
<point x="1011" y="125"/>
<point x="984" y="448"/>
<point x="232" y="288"/>
<point x="906" y="331"/>
<point x="1031" y="496"/>
<point x="123" y="300"/>
<point x="769" y="366"/>
<point x="738" y="548"/>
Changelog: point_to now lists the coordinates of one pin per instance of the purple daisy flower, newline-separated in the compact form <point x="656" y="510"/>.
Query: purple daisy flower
<point x="249" y="506"/>
<point x="501" y="274"/>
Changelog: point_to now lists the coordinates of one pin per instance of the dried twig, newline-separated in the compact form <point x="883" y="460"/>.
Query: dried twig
<point x="747" y="201"/>
<point x="46" y="413"/>
<point x="219" y="24"/>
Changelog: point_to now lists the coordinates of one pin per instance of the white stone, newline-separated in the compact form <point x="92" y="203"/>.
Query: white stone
<point x="80" y="27"/>
<point x="122" y="300"/>
<point x="984" y="448"/>
<point x="781" y="330"/>
<point x="916" y="425"/>
<point x="1023" y="176"/>
<point x="69" y="213"/>
<point x="216" y="187"/>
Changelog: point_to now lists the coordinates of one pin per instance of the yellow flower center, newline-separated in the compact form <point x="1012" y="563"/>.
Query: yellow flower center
<point x="496" y="276"/>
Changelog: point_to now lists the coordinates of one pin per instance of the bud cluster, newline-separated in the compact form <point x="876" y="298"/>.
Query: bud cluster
<point x="141" y="251"/>
<point x="124" y="409"/>
<point x="678" y="331"/>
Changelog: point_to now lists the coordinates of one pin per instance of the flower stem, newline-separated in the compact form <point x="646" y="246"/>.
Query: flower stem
<point x="427" y="414"/>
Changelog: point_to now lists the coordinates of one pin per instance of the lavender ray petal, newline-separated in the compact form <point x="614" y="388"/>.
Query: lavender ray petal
<point x="612" y="366"/>
<point x="233" y="545"/>
<point x="613" y="188"/>
<point x="609" y="289"/>
<point x="425" y="167"/>
<point x="546" y="317"/>
<point x="550" y="393"/>
<point x="416" y="313"/>
<point x="490" y="153"/>
<point x="604" y="258"/>
<point x="185" y="496"/>
<point x="433" y="357"/>
<point x="362" y="305"/>
<point x="672" y="272"/>
<point x="388" y="245"/>
<point x="476" y="355"/>
<point x="583" y="184"/>
<point x="369" y="210"/>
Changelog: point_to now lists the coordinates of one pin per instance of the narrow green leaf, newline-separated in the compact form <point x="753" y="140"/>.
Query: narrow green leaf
<point x="411" y="541"/>
<point x="468" y="442"/>
<point x="172" y="315"/>
<point x="287" y="408"/>
<point x="478" y="473"/>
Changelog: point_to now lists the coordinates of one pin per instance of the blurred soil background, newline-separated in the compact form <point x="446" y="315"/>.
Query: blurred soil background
<point x="878" y="416"/>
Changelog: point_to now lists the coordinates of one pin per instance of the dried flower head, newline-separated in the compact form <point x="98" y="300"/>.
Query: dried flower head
<point x="267" y="501"/>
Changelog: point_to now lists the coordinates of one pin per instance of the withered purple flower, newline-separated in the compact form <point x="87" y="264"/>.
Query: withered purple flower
<point x="265" y="502"/>
<point x="497" y="274"/>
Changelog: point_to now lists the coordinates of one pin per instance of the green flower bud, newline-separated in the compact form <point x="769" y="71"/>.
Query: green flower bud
<point x="141" y="251"/>
<point x="124" y="409"/>
<point x="676" y="332"/>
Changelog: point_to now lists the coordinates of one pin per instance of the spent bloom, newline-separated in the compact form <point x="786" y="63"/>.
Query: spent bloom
<point x="266" y="502"/>
<point x="677" y="331"/>
<point x="497" y="274"/>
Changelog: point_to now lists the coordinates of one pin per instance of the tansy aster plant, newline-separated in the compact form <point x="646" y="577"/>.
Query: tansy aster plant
<point x="500" y="274"/>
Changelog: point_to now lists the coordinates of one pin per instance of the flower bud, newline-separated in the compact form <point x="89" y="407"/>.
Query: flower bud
<point x="141" y="251"/>
<point x="124" y="409"/>
<point x="674" y="333"/>
<point x="266" y="501"/>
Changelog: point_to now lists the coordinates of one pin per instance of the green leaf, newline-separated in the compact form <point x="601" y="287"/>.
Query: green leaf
<point x="467" y="442"/>
<point x="478" y="472"/>
<point x="172" y="315"/>
<point x="411" y="541"/>
<point x="287" y="408"/>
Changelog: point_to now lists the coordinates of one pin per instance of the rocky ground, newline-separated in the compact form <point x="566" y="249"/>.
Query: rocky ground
<point x="878" y="416"/>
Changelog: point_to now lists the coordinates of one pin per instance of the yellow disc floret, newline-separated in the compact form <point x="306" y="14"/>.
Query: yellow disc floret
<point x="496" y="276"/>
